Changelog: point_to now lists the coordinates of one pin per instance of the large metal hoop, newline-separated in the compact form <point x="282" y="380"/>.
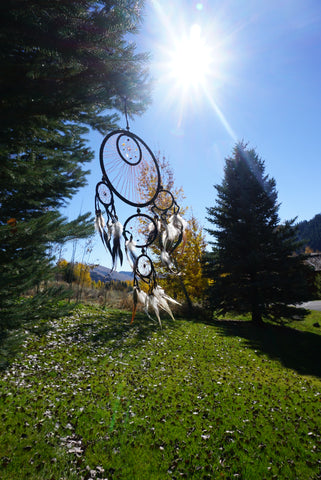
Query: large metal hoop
<point x="122" y="169"/>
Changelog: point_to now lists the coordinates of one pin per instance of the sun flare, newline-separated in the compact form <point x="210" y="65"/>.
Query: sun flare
<point x="191" y="59"/>
<point x="193" y="64"/>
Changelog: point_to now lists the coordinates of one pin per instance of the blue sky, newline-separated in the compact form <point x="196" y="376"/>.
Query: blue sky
<point x="263" y="86"/>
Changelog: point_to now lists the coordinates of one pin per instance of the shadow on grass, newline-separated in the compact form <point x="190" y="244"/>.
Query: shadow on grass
<point x="99" y="327"/>
<point x="300" y="351"/>
<point x="114" y="327"/>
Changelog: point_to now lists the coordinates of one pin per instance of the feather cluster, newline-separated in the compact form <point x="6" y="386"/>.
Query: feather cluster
<point x="131" y="253"/>
<point x="111" y="232"/>
<point x="167" y="261"/>
<point x="116" y="234"/>
<point x="100" y="228"/>
<point x="172" y="235"/>
<point x="155" y="301"/>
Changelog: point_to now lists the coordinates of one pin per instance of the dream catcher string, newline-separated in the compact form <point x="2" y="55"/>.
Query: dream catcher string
<point x="124" y="157"/>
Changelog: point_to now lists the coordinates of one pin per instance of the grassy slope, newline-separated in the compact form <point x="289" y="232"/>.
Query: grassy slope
<point x="97" y="398"/>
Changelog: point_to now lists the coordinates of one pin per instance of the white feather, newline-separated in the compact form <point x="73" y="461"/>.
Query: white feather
<point x="153" y="302"/>
<point x="116" y="233"/>
<point x="159" y="292"/>
<point x="99" y="222"/>
<point x="163" y="299"/>
<point x="151" y="225"/>
<point x="166" y="260"/>
<point x="178" y="222"/>
<point x="109" y="230"/>
<point x="142" y="297"/>
<point x="131" y="252"/>
<point x="163" y="303"/>
<point x="153" y="230"/>
<point x="117" y="229"/>
<point x="169" y="235"/>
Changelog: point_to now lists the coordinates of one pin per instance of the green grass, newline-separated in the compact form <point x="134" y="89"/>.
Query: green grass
<point x="312" y="323"/>
<point x="308" y="325"/>
<point x="95" y="397"/>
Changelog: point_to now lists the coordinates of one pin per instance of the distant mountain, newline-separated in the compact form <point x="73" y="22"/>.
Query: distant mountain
<point x="103" y="274"/>
<point x="309" y="232"/>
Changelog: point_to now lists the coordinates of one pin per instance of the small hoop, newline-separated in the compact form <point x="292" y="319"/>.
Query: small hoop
<point x="144" y="267"/>
<point x="145" y="227"/>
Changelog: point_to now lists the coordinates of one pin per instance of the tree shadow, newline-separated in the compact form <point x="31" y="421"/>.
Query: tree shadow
<point x="108" y="327"/>
<point x="300" y="351"/>
<point x="116" y="330"/>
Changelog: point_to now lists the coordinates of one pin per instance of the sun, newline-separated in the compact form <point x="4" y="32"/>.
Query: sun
<point x="190" y="59"/>
<point x="193" y="63"/>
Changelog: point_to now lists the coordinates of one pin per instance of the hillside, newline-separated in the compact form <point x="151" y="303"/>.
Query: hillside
<point x="309" y="231"/>
<point x="104" y="275"/>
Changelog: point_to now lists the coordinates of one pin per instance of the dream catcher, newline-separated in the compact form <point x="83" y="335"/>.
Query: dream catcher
<point x="124" y="159"/>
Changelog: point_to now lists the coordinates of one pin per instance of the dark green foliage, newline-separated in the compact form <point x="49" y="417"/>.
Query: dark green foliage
<point x="63" y="65"/>
<point x="118" y="285"/>
<point x="68" y="59"/>
<point x="317" y="285"/>
<point x="66" y="272"/>
<point x="309" y="233"/>
<point x="252" y="262"/>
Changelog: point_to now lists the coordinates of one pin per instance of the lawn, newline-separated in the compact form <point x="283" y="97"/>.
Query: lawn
<point x="93" y="397"/>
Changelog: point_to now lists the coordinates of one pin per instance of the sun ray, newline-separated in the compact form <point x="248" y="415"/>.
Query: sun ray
<point x="221" y="116"/>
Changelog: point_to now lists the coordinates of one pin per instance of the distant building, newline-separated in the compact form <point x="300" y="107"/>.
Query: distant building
<point x="314" y="259"/>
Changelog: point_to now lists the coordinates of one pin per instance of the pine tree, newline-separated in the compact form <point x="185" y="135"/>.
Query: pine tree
<point x="252" y="265"/>
<point x="63" y="65"/>
<point x="309" y="232"/>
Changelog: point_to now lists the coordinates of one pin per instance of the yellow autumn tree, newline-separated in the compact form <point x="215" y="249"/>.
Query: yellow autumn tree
<point x="189" y="283"/>
<point x="189" y="260"/>
<point x="82" y="274"/>
<point x="62" y="264"/>
<point x="74" y="272"/>
<point x="66" y="271"/>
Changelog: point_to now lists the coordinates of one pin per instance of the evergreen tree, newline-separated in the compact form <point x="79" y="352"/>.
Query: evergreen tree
<point x="63" y="64"/>
<point x="252" y="264"/>
<point x="309" y="232"/>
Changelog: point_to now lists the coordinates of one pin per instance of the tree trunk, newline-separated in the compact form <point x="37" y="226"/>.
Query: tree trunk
<point x="256" y="297"/>
<point x="188" y="300"/>
<point x="257" y="317"/>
